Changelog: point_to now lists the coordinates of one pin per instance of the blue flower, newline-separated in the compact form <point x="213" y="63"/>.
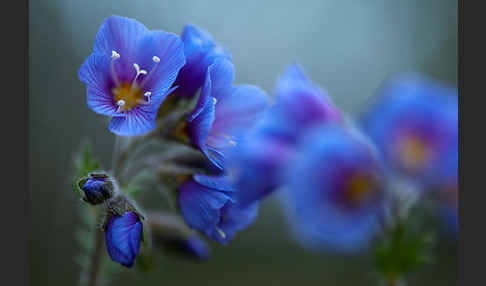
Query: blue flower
<point x="123" y="235"/>
<point x="414" y="124"/>
<point x="207" y="204"/>
<point x="334" y="190"/>
<point x="223" y="111"/>
<point x="97" y="188"/>
<point x="259" y="160"/>
<point x="201" y="51"/>
<point x="130" y="73"/>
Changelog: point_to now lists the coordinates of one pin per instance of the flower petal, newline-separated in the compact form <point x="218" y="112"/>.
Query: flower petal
<point x="123" y="235"/>
<point x="120" y="34"/>
<point x="220" y="183"/>
<point x="219" y="77"/>
<point x="234" y="218"/>
<point x="135" y="122"/>
<point x="238" y="111"/>
<point x="95" y="73"/>
<point x="301" y="103"/>
<point x="200" y="206"/>
<point x="199" y="129"/>
<point x="170" y="50"/>
<point x="200" y="51"/>
<point x="258" y="165"/>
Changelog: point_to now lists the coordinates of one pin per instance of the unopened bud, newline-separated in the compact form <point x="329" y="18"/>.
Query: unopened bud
<point x="97" y="188"/>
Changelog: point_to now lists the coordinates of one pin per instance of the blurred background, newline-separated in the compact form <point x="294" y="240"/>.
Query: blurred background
<point x="348" y="47"/>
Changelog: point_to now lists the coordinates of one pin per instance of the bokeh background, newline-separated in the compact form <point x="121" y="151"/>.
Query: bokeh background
<point x="348" y="46"/>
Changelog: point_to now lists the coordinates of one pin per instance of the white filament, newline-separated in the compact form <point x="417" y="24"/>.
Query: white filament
<point x="120" y="104"/>
<point x="156" y="60"/>
<point x="221" y="233"/>
<point x="114" y="57"/>
<point x="147" y="95"/>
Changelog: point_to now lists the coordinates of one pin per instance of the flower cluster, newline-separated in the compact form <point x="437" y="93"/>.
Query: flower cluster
<point x="331" y="174"/>
<point x="130" y="74"/>
<point x="334" y="175"/>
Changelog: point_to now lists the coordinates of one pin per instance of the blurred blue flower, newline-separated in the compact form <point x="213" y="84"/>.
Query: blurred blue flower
<point x="201" y="51"/>
<point x="130" y="72"/>
<point x="223" y="111"/>
<point x="334" y="192"/>
<point x="259" y="160"/>
<point x="414" y="123"/>
<point x="207" y="204"/>
<point x="123" y="235"/>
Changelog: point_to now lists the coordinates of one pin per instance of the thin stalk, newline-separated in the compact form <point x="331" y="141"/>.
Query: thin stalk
<point x="96" y="255"/>
<point x="94" y="272"/>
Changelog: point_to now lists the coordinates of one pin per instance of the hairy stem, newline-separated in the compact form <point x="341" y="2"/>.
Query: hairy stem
<point x="94" y="272"/>
<point x="96" y="255"/>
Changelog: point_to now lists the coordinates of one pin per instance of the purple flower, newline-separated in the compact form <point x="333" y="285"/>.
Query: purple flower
<point x="334" y="190"/>
<point x="201" y="51"/>
<point x="223" y="111"/>
<point x="130" y="72"/>
<point x="414" y="124"/>
<point x="259" y="160"/>
<point x="123" y="235"/>
<point x="207" y="204"/>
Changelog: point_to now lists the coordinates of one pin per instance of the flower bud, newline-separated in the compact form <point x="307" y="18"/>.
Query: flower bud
<point x="122" y="236"/>
<point x="97" y="188"/>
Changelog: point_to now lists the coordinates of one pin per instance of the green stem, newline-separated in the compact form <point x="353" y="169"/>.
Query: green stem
<point x="96" y="255"/>
<point x="94" y="272"/>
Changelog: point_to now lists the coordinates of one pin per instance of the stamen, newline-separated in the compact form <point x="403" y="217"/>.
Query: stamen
<point x="156" y="60"/>
<point x="120" y="104"/>
<point x="147" y="95"/>
<point x="232" y="142"/>
<point x="215" y="100"/>
<point x="139" y="72"/>
<point x="114" y="57"/>
<point x="221" y="233"/>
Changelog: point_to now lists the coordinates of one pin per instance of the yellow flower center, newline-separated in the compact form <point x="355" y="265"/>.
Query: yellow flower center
<point x="130" y="95"/>
<point x="358" y="189"/>
<point x="413" y="153"/>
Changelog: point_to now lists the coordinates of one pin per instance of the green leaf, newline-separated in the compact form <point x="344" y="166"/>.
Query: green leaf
<point x="84" y="163"/>
<point x="402" y="249"/>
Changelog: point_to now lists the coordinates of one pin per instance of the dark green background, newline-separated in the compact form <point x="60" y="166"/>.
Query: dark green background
<point x="348" y="47"/>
